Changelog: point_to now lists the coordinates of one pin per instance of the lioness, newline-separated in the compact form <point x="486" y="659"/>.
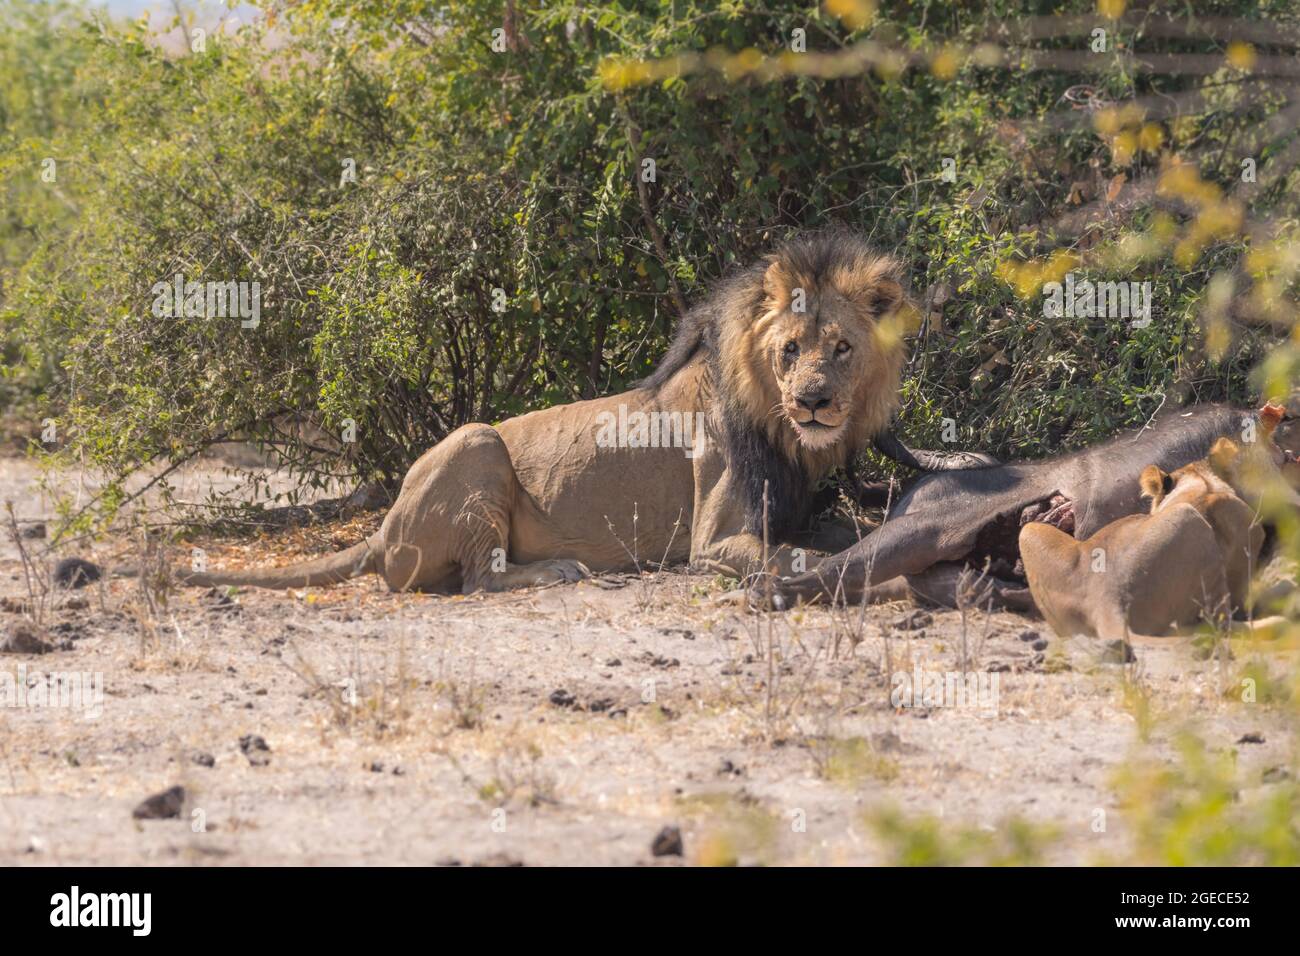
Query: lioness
<point x="789" y="369"/>
<point x="1190" y="559"/>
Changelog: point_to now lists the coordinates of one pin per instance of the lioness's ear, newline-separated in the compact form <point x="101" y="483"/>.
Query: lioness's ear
<point x="1155" y="484"/>
<point x="1223" y="456"/>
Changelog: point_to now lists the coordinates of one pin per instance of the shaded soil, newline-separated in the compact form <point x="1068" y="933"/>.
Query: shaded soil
<point x="569" y="725"/>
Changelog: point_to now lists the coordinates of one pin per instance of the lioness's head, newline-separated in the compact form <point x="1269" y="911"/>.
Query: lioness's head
<point x="816" y="357"/>
<point x="1191" y="482"/>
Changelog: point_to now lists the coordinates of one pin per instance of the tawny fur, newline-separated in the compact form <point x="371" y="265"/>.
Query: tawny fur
<point x="538" y="499"/>
<point x="1190" y="560"/>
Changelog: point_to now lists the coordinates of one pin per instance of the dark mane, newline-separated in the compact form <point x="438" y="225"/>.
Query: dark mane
<point x="751" y="457"/>
<point x="697" y="331"/>
<point x="759" y="468"/>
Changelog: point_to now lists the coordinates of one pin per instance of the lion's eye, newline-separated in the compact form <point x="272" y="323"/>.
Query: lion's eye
<point x="843" y="348"/>
<point x="791" y="348"/>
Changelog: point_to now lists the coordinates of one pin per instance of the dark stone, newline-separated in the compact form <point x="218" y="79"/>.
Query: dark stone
<point x="76" y="573"/>
<point x="161" y="806"/>
<point x="22" y="638"/>
<point x="914" y="621"/>
<point x="255" y="749"/>
<point x="667" y="842"/>
<point x="562" y="698"/>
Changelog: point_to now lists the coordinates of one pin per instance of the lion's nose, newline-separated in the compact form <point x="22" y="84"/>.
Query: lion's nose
<point x="813" y="401"/>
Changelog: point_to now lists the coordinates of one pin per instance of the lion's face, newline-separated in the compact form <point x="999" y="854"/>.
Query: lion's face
<point x="818" y="360"/>
<point x="832" y="367"/>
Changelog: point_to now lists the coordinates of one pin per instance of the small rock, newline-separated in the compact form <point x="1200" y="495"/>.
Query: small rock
<point x="613" y="662"/>
<point x="890" y="742"/>
<point x="1118" y="652"/>
<point x="658" y="660"/>
<point x="203" y="759"/>
<point x="76" y="573"/>
<point x="1251" y="738"/>
<point x="604" y="703"/>
<point x="220" y="600"/>
<point x="667" y="842"/>
<point x="1040" y="644"/>
<point x="24" y="639"/>
<point x="36" y="530"/>
<point x="729" y="769"/>
<point x="255" y="749"/>
<point x="1028" y="636"/>
<point x="914" y="621"/>
<point x="562" y="698"/>
<point x="161" y="806"/>
<point x="1276" y="775"/>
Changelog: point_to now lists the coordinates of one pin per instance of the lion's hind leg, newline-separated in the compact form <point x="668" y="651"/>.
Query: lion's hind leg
<point x="451" y="522"/>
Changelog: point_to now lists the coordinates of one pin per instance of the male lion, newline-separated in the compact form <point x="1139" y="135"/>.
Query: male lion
<point x="791" y="366"/>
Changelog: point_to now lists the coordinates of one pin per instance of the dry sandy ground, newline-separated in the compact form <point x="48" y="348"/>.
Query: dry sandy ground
<point x="570" y="725"/>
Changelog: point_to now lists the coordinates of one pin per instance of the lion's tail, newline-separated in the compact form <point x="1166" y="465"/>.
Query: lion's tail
<point x="363" y="558"/>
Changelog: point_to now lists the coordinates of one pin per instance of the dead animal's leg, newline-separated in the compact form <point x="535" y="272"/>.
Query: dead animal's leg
<point x="452" y="518"/>
<point x="943" y="586"/>
<point x="909" y="544"/>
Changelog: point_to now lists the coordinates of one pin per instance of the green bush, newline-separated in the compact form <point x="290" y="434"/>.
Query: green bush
<point x="518" y="171"/>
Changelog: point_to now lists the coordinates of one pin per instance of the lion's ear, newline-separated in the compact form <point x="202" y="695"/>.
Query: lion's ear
<point x="777" y="282"/>
<point x="886" y="293"/>
<point x="875" y="284"/>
